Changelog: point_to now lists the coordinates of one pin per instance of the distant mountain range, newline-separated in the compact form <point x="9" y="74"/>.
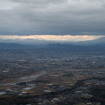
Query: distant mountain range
<point x="85" y="46"/>
<point x="53" y="47"/>
<point x="100" y="41"/>
<point x="34" y="42"/>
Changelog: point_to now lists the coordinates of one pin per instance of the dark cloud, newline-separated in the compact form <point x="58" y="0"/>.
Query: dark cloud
<point x="53" y="17"/>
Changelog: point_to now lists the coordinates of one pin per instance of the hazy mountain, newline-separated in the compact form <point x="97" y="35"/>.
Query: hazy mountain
<point x="36" y="43"/>
<point x="85" y="46"/>
<point x="100" y="41"/>
<point x="10" y="45"/>
<point x="55" y="47"/>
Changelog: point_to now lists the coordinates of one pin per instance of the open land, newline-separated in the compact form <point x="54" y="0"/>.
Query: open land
<point x="72" y="79"/>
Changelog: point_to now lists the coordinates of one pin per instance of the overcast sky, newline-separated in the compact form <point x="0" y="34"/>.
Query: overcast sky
<point x="52" y="17"/>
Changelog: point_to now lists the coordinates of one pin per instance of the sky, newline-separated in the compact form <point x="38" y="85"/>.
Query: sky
<point x="57" y="38"/>
<point x="52" y="17"/>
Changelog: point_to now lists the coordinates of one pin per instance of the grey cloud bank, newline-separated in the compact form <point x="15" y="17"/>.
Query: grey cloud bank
<point x="57" y="17"/>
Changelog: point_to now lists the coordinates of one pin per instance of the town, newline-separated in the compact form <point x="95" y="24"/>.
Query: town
<point x="70" y="80"/>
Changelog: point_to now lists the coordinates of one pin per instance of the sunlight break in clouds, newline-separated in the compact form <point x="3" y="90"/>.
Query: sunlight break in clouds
<point x="65" y="38"/>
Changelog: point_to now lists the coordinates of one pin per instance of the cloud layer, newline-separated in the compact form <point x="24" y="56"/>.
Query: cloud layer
<point x="57" y="17"/>
<point x="57" y="38"/>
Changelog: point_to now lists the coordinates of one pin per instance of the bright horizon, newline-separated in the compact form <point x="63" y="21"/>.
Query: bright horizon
<point x="65" y="38"/>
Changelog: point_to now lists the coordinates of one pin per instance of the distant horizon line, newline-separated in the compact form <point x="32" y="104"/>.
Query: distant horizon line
<point x="59" y="38"/>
